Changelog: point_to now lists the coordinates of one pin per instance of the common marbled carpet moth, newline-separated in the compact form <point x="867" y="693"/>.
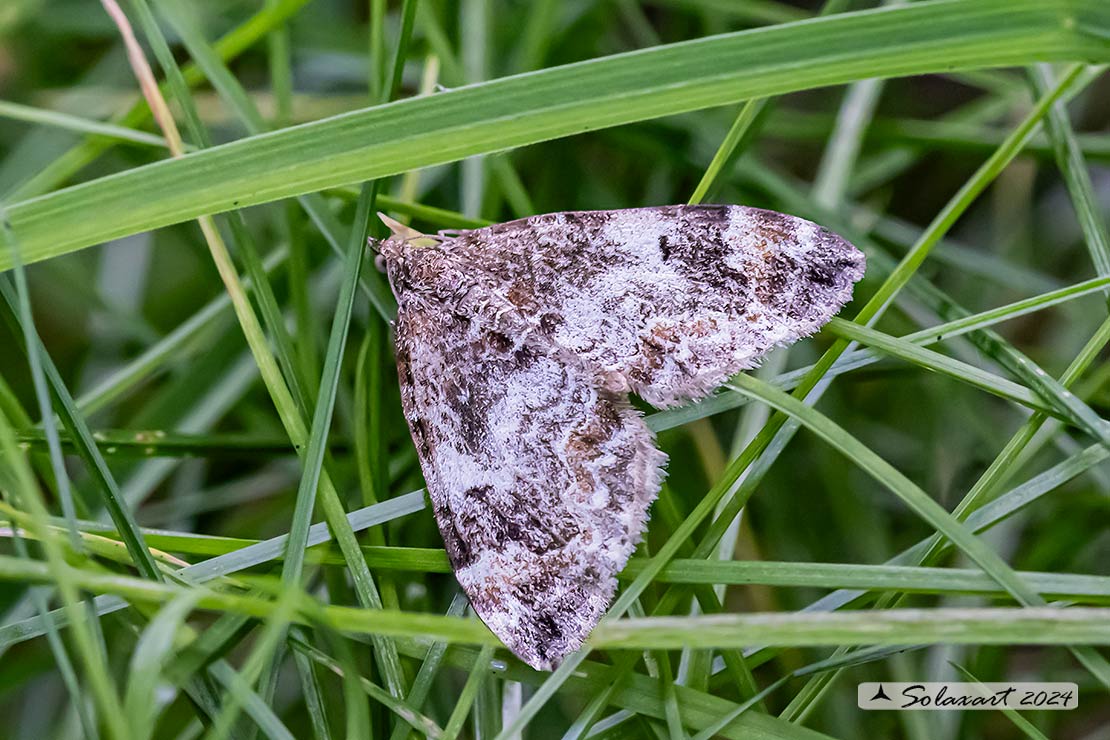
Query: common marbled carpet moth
<point x="517" y="347"/>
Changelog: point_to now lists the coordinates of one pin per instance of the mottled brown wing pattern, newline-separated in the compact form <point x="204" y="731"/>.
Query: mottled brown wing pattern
<point x="540" y="481"/>
<point x="665" y="302"/>
<point x="516" y="347"/>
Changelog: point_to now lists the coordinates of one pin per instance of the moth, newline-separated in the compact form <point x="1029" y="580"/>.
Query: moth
<point x="517" y="347"/>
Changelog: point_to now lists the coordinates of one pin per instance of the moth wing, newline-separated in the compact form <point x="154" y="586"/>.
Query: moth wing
<point x="540" y="481"/>
<point x="667" y="302"/>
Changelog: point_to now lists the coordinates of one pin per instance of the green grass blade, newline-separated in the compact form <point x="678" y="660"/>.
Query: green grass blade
<point x="292" y="570"/>
<point x="478" y="674"/>
<point x="1042" y="625"/>
<point x="314" y="696"/>
<point x="184" y="340"/>
<point x="98" y="467"/>
<point x="76" y="123"/>
<point x="516" y="111"/>
<point x="1070" y="160"/>
<point x="884" y="473"/>
<point x="147" y="661"/>
<point x="208" y="61"/>
<point x="234" y="43"/>
<point x="21" y="308"/>
<point x="238" y="685"/>
<point x="943" y="365"/>
<point x="963" y="537"/>
<point x="839" y="158"/>
<point x="429" y="668"/>
<point x="293" y="567"/>
<point x="56" y="571"/>
<point x="414" y="719"/>
<point x="1027" y="727"/>
<point x="739" y="134"/>
<point x="58" y="650"/>
<point x="247" y="557"/>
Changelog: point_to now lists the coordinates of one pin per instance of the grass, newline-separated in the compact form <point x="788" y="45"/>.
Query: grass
<point x="212" y="522"/>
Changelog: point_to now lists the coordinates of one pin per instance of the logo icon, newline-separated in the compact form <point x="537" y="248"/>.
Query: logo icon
<point x="880" y="694"/>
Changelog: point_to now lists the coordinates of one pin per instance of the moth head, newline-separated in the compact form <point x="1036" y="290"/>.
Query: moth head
<point x="391" y="250"/>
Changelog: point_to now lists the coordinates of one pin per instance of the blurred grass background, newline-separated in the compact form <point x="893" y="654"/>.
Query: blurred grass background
<point x="979" y="194"/>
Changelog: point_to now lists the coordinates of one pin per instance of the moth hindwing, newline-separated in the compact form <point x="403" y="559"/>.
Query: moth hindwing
<point x="517" y="347"/>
